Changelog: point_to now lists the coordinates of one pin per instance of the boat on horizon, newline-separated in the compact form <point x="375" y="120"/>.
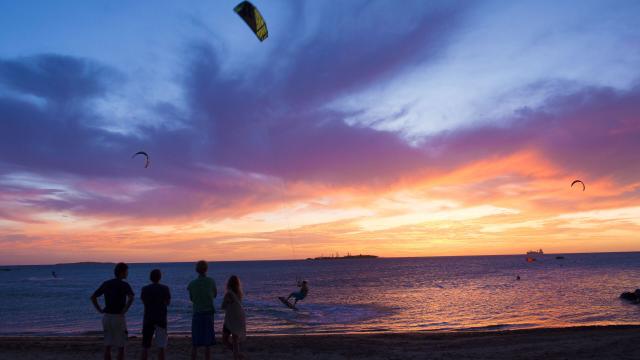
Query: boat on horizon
<point x="532" y="252"/>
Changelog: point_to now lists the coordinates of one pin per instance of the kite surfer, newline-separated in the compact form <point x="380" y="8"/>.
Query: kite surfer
<point x="299" y="295"/>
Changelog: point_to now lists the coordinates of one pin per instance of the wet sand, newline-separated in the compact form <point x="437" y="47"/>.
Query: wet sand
<point x="609" y="342"/>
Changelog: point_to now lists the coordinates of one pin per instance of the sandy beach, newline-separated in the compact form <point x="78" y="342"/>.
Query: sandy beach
<point x="609" y="342"/>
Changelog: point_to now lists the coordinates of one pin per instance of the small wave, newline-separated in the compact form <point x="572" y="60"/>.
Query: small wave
<point x="496" y="327"/>
<point x="322" y="314"/>
<point x="44" y="278"/>
<point x="91" y="333"/>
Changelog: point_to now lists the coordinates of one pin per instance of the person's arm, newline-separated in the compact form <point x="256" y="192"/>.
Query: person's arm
<point x="143" y="296"/>
<point x="215" y="290"/>
<point x="94" y="299"/>
<point x="130" y="298"/>
<point x="225" y="302"/>
<point x="168" y="299"/>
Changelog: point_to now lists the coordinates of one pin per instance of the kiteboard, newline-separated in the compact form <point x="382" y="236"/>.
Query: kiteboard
<point x="287" y="303"/>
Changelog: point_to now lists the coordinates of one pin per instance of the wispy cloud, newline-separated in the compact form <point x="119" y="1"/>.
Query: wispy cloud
<point x="349" y="133"/>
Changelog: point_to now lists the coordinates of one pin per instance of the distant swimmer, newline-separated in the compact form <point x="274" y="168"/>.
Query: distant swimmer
<point x="518" y="277"/>
<point x="53" y="273"/>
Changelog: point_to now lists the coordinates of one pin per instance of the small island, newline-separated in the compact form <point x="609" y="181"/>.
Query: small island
<point x="348" y="256"/>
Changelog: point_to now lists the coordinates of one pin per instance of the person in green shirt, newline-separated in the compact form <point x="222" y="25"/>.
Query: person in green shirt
<point x="202" y="291"/>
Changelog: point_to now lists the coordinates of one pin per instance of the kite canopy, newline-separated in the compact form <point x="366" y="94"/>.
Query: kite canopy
<point x="253" y="18"/>
<point x="146" y="156"/>
<point x="578" y="181"/>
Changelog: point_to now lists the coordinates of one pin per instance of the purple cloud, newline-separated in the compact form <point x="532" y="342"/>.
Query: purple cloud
<point x="57" y="78"/>
<point x="276" y="122"/>
<point x="593" y="132"/>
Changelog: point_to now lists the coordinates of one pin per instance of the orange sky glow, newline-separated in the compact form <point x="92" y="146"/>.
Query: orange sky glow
<point x="496" y="206"/>
<point x="427" y="129"/>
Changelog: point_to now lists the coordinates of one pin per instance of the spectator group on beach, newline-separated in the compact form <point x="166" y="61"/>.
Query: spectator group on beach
<point x="118" y="297"/>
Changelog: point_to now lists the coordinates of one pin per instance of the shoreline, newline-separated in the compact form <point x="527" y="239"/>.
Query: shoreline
<point x="470" y="330"/>
<point x="584" y="342"/>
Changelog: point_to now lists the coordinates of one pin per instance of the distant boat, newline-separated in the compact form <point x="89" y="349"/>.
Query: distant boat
<point x="349" y="256"/>
<point x="559" y="257"/>
<point x="539" y="252"/>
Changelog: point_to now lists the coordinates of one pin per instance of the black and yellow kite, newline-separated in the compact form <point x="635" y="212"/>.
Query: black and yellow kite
<point x="253" y="18"/>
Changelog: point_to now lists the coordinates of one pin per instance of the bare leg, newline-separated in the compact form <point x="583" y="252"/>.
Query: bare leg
<point x="107" y="353"/>
<point x="236" y="349"/>
<point x="207" y="353"/>
<point x="121" y="353"/>
<point x="225" y="340"/>
<point x="161" y="354"/>
<point x="194" y="353"/>
<point x="145" y="354"/>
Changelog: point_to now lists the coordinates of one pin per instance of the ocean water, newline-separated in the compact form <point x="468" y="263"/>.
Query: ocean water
<point x="360" y="295"/>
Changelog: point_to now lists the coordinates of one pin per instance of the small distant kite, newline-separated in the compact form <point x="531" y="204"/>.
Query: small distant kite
<point x="578" y="181"/>
<point x="253" y="18"/>
<point x="146" y="156"/>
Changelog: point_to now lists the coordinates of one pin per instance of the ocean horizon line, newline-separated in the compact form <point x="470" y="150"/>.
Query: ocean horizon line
<point x="306" y="259"/>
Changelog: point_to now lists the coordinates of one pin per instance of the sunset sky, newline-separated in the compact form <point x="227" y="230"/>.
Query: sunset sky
<point x="394" y="128"/>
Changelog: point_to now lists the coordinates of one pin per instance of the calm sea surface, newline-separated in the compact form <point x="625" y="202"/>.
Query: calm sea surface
<point x="410" y="294"/>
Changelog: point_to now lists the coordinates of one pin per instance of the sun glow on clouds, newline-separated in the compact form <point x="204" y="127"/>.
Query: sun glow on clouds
<point x="241" y="240"/>
<point x="418" y="218"/>
<point x="450" y="130"/>
<point x="420" y="223"/>
<point x="410" y="217"/>
<point x="602" y="217"/>
<point x="482" y="207"/>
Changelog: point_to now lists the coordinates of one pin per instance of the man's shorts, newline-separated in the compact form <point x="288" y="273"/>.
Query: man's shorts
<point x="202" y="333"/>
<point x="298" y="295"/>
<point x="115" y="330"/>
<point x="148" y="330"/>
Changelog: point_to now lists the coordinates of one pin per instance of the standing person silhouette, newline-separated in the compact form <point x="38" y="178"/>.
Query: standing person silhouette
<point x="155" y="297"/>
<point x="234" y="329"/>
<point x="202" y="291"/>
<point x="118" y="297"/>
